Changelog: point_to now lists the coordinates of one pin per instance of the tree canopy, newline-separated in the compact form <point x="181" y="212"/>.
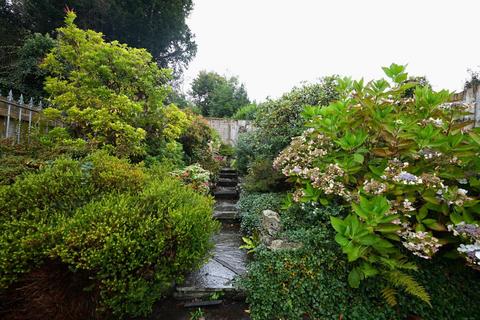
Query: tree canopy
<point x="218" y="96"/>
<point x="157" y="25"/>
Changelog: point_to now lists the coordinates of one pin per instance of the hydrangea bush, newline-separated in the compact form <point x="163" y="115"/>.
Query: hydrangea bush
<point x="407" y="167"/>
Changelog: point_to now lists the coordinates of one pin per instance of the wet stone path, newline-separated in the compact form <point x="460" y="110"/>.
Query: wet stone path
<point x="226" y="262"/>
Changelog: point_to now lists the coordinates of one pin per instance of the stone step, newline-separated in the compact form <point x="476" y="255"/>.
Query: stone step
<point x="202" y="293"/>
<point x="229" y="175"/>
<point x="227" y="182"/>
<point x="226" y="263"/>
<point x="230" y="193"/>
<point x="228" y="170"/>
<point x="226" y="216"/>
<point x="225" y="205"/>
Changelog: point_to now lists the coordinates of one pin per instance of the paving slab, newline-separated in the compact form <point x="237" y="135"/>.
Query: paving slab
<point x="226" y="262"/>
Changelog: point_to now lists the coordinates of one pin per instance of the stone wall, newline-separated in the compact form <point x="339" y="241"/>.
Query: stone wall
<point x="229" y="129"/>
<point x="471" y="96"/>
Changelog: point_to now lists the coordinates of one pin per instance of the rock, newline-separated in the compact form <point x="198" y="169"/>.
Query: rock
<point x="270" y="223"/>
<point x="266" y="239"/>
<point x="279" y="244"/>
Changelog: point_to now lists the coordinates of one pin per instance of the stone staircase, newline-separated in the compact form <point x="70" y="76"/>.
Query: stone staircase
<point x="227" y="261"/>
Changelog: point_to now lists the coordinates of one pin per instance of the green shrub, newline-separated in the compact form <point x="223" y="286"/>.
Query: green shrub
<point x="278" y="121"/>
<point x="262" y="177"/>
<point x="308" y="214"/>
<point x="30" y="206"/>
<point x="108" y="93"/>
<point x="247" y="112"/>
<point x="133" y="231"/>
<point x="251" y="205"/>
<point x="311" y="282"/>
<point x="407" y="168"/>
<point x="226" y="150"/>
<point x="18" y="159"/>
<point x="200" y="144"/>
<point x="136" y="246"/>
<point x="110" y="173"/>
<point x="246" y="150"/>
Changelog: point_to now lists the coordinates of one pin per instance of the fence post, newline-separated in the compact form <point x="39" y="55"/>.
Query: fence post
<point x="19" y="126"/>
<point x="476" y="105"/>
<point x="30" y="107"/>
<point x="9" y="108"/>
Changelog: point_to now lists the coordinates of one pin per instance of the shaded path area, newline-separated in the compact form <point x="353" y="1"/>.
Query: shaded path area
<point x="212" y="287"/>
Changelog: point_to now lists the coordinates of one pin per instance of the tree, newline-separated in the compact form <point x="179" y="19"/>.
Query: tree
<point x="108" y="93"/>
<point x="24" y="74"/>
<point x="218" y="96"/>
<point x="247" y="112"/>
<point x="421" y="82"/>
<point x="157" y="25"/>
<point x="474" y="80"/>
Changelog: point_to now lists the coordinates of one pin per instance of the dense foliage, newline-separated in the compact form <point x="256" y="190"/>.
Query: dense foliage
<point x="122" y="234"/>
<point x="195" y="177"/>
<point x="218" y="96"/>
<point x="280" y="120"/>
<point x="311" y="282"/>
<point x="407" y="168"/>
<point x="276" y="123"/>
<point x="133" y="231"/>
<point x="17" y="159"/>
<point x="159" y="26"/>
<point x="201" y="144"/>
<point x="262" y="177"/>
<point x="108" y="93"/>
<point x="247" y="112"/>
<point x="251" y="206"/>
<point x="24" y="75"/>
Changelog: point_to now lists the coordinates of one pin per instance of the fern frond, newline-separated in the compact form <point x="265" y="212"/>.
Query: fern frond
<point x="409" y="284"/>
<point x="390" y="295"/>
<point x="398" y="263"/>
<point x="406" y="265"/>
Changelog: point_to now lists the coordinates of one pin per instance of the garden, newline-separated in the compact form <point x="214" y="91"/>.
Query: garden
<point x="358" y="199"/>
<point x="375" y="186"/>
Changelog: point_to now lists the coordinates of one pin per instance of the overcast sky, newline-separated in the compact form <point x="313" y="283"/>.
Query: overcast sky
<point x="273" y="45"/>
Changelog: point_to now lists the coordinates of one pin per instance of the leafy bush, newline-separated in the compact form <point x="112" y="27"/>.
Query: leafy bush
<point x="200" y="144"/>
<point x="108" y="93"/>
<point x="16" y="159"/>
<point x="29" y="206"/>
<point x="311" y="282"/>
<point x="226" y="150"/>
<point x="280" y="120"/>
<point x="262" y="177"/>
<point x="406" y="167"/>
<point x="246" y="150"/>
<point x="308" y="214"/>
<point x="195" y="177"/>
<point x="277" y="121"/>
<point x="136" y="246"/>
<point x="247" y="112"/>
<point x="133" y="231"/>
<point x="251" y="205"/>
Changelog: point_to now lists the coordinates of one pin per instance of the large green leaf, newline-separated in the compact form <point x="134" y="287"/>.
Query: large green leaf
<point x="354" y="278"/>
